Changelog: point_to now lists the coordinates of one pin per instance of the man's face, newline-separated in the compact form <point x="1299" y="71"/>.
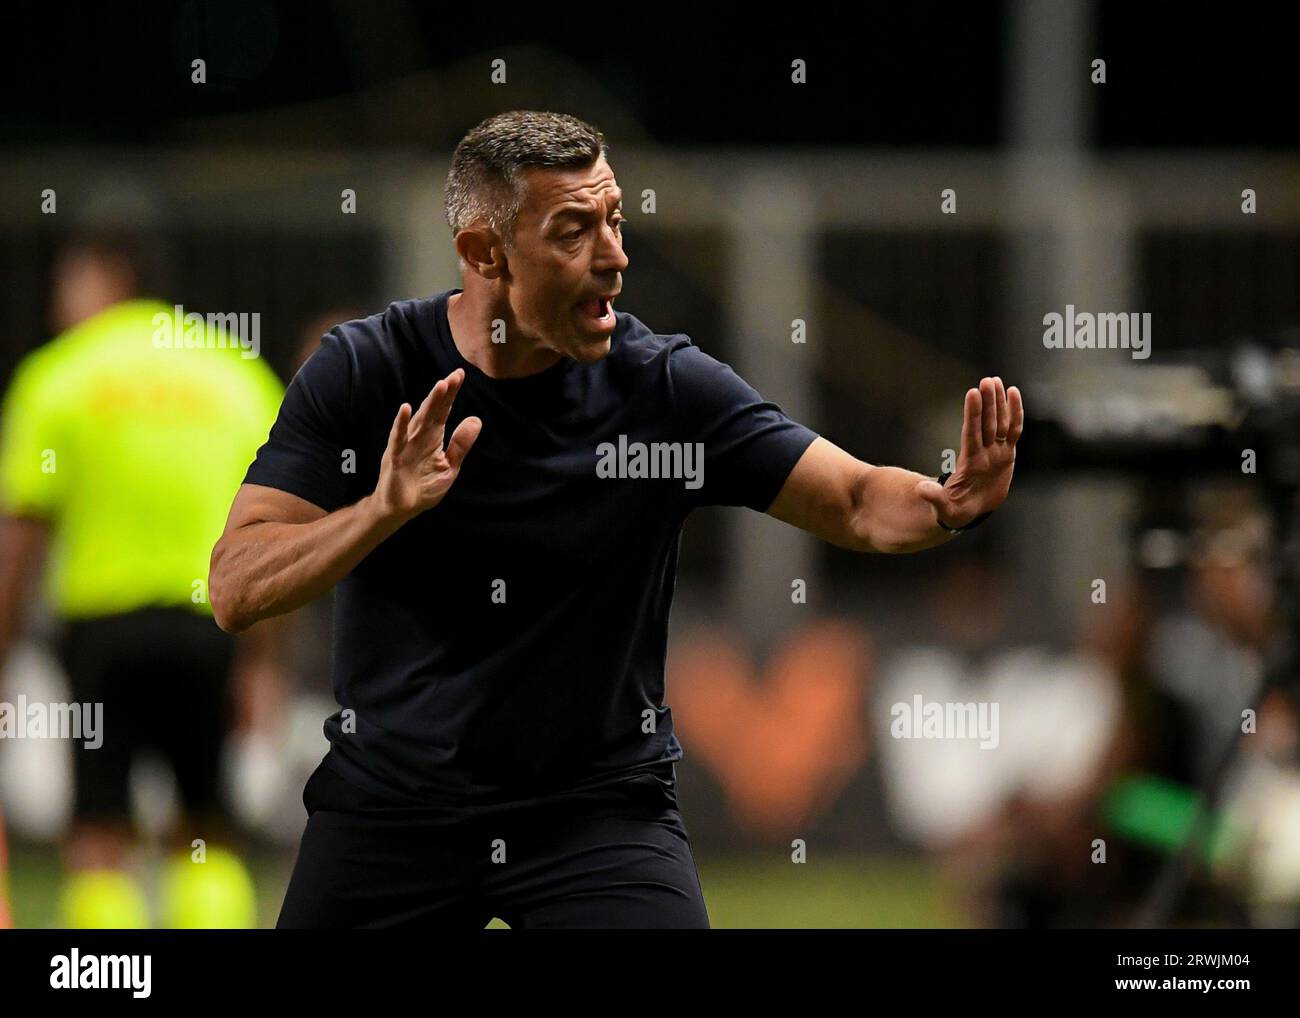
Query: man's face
<point x="567" y="260"/>
<point x="85" y="284"/>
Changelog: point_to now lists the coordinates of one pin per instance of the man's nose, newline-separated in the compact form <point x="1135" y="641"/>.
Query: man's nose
<point x="610" y="256"/>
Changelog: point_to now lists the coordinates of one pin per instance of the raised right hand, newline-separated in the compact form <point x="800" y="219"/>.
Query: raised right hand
<point x="416" y="471"/>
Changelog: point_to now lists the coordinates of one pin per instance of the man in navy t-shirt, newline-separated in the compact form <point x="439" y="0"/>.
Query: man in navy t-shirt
<point x="494" y="481"/>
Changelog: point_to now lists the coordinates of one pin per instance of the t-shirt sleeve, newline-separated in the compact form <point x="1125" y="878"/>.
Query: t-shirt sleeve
<point x="304" y="454"/>
<point x="749" y="444"/>
<point x="31" y="438"/>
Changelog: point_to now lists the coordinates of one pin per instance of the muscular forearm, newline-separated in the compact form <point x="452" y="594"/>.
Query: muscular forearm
<point x="269" y="568"/>
<point x="892" y="517"/>
<point x="870" y="508"/>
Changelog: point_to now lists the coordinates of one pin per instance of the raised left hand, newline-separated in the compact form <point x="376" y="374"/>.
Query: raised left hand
<point x="981" y="479"/>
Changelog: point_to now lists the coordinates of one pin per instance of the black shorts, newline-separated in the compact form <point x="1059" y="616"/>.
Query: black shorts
<point x="618" y="857"/>
<point x="163" y="676"/>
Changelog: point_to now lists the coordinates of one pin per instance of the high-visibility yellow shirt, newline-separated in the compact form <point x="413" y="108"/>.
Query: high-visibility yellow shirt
<point x="131" y="443"/>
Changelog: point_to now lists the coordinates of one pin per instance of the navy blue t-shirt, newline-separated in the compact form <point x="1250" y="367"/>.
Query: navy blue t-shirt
<point x="510" y="642"/>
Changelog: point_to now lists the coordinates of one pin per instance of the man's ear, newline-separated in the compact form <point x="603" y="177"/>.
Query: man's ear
<point x="482" y="250"/>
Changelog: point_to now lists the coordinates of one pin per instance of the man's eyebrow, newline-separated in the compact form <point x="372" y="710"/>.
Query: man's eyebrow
<point x="571" y="212"/>
<point x="574" y="210"/>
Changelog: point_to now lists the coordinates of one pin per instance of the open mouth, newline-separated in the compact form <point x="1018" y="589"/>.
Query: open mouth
<point x="599" y="310"/>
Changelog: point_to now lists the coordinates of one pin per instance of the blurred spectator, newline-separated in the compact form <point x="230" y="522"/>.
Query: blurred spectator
<point x="119" y="452"/>
<point x="1130" y="722"/>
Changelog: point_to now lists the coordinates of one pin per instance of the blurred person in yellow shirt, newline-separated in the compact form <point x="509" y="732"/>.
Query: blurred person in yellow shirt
<point x="120" y="450"/>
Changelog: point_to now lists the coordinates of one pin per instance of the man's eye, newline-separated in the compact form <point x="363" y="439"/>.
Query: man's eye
<point x="572" y="235"/>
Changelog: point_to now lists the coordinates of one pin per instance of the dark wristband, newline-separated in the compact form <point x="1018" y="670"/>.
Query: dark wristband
<point x="943" y="479"/>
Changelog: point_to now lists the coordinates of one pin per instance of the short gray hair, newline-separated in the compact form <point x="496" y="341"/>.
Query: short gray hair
<point x="484" y="179"/>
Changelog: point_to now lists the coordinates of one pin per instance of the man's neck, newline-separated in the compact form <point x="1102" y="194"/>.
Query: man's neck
<point x="471" y="331"/>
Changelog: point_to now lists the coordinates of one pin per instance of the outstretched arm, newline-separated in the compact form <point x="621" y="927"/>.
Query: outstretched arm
<point x="868" y="508"/>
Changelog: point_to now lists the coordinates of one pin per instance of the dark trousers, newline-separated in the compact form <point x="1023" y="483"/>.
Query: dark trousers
<point x="620" y="860"/>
